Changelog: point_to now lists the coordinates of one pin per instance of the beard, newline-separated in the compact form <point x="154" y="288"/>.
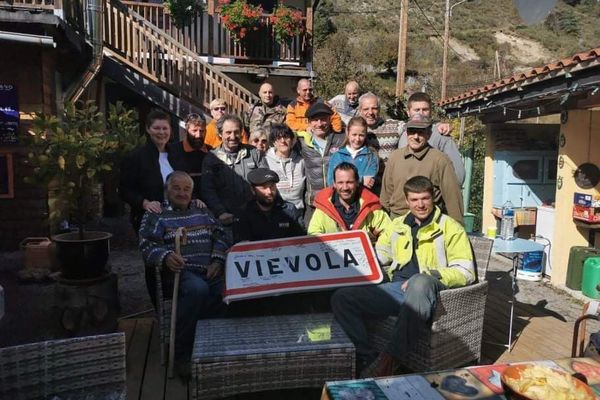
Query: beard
<point x="196" y="143"/>
<point x="264" y="201"/>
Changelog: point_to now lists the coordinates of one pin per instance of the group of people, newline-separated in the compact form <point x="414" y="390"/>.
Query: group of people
<point x="310" y="167"/>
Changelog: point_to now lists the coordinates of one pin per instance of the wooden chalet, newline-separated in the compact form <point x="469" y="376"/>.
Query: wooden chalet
<point x="110" y="50"/>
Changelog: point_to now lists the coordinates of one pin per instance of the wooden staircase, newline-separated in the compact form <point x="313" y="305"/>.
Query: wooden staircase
<point x="144" y="55"/>
<point x="140" y="45"/>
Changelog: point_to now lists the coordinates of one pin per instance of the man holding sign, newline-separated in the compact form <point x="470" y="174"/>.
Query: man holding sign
<point x="426" y="252"/>
<point x="347" y="206"/>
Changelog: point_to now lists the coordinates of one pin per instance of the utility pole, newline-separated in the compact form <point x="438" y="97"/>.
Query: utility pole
<point x="446" y="45"/>
<point x="402" y="37"/>
<point x="497" y="71"/>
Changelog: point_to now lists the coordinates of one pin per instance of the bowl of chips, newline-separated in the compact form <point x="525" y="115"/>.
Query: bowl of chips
<point x="538" y="382"/>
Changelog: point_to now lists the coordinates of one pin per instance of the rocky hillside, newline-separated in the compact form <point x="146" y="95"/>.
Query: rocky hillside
<point x="359" y="39"/>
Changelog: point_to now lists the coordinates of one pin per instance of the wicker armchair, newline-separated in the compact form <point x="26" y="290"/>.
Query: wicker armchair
<point x="91" y="367"/>
<point x="455" y="336"/>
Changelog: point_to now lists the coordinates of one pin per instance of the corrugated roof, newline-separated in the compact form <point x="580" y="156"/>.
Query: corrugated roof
<point x="538" y="73"/>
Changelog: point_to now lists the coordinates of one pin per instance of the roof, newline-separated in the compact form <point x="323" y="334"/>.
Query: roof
<point x="565" y="66"/>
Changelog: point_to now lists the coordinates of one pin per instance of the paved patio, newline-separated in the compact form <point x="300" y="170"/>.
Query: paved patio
<point x="544" y="319"/>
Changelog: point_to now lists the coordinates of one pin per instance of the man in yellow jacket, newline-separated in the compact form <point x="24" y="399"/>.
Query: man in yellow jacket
<point x="347" y="206"/>
<point x="425" y="252"/>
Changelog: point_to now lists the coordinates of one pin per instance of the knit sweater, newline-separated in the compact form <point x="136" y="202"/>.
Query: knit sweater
<point x="206" y="239"/>
<point x="384" y="137"/>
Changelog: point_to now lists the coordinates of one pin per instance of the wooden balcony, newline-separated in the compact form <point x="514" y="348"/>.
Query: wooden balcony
<point x="208" y="37"/>
<point x="70" y="10"/>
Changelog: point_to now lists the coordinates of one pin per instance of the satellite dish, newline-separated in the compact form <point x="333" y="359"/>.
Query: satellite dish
<point x="534" y="11"/>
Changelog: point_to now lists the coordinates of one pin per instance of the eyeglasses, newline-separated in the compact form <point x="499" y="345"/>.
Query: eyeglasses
<point x="219" y="108"/>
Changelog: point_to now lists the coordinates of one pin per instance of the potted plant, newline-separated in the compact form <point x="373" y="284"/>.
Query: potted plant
<point x="73" y="155"/>
<point x="239" y="17"/>
<point x="183" y="12"/>
<point x="287" y="23"/>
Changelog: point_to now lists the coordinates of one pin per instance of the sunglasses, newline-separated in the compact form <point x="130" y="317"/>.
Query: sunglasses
<point x="219" y="108"/>
<point x="259" y="140"/>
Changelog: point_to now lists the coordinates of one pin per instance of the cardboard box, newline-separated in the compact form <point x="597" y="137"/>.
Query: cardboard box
<point x="582" y="199"/>
<point x="587" y="214"/>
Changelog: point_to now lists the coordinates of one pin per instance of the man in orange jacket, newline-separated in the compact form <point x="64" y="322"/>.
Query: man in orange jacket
<point x="296" y="110"/>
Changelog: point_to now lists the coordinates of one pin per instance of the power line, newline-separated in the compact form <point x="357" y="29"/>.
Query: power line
<point x="438" y="34"/>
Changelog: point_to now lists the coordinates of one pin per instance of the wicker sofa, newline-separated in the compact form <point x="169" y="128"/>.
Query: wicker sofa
<point x="90" y="367"/>
<point x="455" y="336"/>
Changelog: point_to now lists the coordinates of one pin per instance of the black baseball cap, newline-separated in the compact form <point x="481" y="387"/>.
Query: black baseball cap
<point x="318" y="108"/>
<point x="260" y="176"/>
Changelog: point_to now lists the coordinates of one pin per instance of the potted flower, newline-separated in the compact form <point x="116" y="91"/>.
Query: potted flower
<point x="183" y="12"/>
<point x="73" y="155"/>
<point x="287" y="23"/>
<point x="239" y="17"/>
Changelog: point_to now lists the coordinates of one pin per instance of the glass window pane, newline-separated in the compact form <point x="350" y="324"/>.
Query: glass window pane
<point x="526" y="169"/>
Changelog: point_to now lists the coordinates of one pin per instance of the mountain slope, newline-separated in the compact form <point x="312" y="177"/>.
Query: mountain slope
<point x="366" y="39"/>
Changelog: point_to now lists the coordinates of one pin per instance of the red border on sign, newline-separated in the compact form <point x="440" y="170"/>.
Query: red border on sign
<point x="374" y="276"/>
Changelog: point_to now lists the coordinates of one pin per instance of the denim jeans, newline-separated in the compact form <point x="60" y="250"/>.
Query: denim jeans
<point x="198" y="298"/>
<point x="413" y="308"/>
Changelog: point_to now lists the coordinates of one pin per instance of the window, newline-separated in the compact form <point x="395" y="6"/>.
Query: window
<point x="551" y="167"/>
<point x="526" y="170"/>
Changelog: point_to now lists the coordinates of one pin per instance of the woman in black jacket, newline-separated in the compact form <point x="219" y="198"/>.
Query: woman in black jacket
<point x="143" y="174"/>
<point x="145" y="169"/>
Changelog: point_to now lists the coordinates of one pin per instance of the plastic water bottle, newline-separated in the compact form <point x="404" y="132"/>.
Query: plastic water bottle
<point x="507" y="225"/>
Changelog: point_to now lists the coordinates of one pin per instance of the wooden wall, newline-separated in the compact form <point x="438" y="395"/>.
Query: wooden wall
<point x="31" y="69"/>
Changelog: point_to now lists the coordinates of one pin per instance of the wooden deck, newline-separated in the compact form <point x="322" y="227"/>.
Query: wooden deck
<point x="540" y="335"/>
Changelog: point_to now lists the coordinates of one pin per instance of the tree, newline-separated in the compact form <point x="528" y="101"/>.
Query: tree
<point x="323" y="25"/>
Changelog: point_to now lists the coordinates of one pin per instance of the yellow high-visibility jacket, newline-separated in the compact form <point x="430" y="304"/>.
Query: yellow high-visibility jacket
<point x="443" y="249"/>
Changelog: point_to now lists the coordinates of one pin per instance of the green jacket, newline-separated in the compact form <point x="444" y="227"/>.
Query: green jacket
<point x="443" y="250"/>
<point x="326" y="219"/>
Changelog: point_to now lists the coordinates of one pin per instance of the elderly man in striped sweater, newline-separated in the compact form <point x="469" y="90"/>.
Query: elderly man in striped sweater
<point x="200" y="263"/>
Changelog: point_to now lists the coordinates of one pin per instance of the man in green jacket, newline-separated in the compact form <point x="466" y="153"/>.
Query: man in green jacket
<point x="347" y="206"/>
<point x="425" y="252"/>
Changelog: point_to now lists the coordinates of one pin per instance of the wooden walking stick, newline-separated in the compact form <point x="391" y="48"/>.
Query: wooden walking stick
<point x="180" y="238"/>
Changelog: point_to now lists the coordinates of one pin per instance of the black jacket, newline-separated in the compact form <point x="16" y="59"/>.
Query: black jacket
<point x="188" y="161"/>
<point x="224" y="185"/>
<point x="141" y="179"/>
<point x="283" y="220"/>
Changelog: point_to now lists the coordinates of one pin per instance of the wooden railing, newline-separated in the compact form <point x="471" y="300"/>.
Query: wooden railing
<point x="139" y="44"/>
<point x="208" y="37"/>
<point x="31" y="4"/>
